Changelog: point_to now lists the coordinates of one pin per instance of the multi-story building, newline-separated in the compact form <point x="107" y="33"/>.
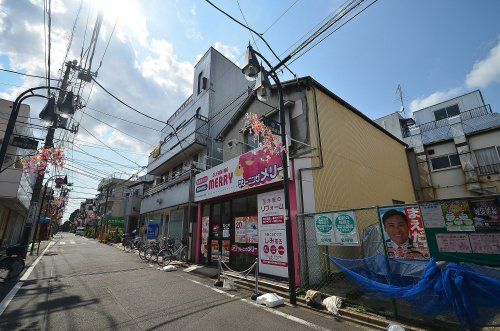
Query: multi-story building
<point x="110" y="201"/>
<point x="187" y="144"/>
<point x="15" y="187"/>
<point x="133" y="197"/>
<point x="454" y="147"/>
<point x="338" y="159"/>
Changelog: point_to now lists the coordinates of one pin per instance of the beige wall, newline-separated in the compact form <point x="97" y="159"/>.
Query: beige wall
<point x="484" y="140"/>
<point x="363" y="166"/>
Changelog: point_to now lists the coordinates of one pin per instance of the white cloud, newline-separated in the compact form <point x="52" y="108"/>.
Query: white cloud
<point x="192" y="9"/>
<point x="229" y="51"/>
<point x="486" y="71"/>
<point x="434" y="98"/>
<point x="164" y="68"/>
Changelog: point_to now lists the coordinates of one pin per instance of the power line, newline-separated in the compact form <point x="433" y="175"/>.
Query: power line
<point x="88" y="144"/>
<point x="29" y="75"/>
<point x="81" y="151"/>
<point x="246" y="22"/>
<point x="122" y="119"/>
<point x="115" y="128"/>
<point x="281" y="62"/>
<point x="283" y="14"/>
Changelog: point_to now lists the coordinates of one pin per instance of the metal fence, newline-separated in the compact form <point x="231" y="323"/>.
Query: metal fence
<point x="319" y="273"/>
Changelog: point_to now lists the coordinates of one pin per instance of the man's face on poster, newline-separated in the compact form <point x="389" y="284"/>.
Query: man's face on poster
<point x="397" y="229"/>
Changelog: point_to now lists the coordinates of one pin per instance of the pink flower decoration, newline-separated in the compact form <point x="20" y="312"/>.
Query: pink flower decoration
<point x="271" y="143"/>
<point x="37" y="164"/>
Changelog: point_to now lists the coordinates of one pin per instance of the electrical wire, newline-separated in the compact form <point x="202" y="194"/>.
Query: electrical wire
<point x="246" y="22"/>
<point x="28" y="75"/>
<point x="107" y="45"/>
<point x="283" y="14"/>
<point x="122" y="119"/>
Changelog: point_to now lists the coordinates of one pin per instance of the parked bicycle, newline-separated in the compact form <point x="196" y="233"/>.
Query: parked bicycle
<point x="173" y="252"/>
<point x="131" y="243"/>
<point x="12" y="264"/>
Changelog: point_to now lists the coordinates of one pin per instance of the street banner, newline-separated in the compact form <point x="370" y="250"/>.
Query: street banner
<point x="249" y="170"/>
<point x="404" y="232"/>
<point x="273" y="258"/>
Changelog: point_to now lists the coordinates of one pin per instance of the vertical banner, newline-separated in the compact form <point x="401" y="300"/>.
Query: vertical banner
<point x="404" y="233"/>
<point x="205" y="229"/>
<point x="272" y="234"/>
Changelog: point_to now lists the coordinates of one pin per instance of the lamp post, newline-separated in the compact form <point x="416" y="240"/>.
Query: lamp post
<point x="253" y="70"/>
<point x="65" y="181"/>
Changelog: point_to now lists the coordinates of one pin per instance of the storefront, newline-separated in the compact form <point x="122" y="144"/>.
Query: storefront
<point x="241" y="214"/>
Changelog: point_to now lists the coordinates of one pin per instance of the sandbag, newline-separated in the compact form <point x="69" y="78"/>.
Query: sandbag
<point x="229" y="285"/>
<point x="313" y="298"/>
<point x="332" y="304"/>
<point x="270" y="300"/>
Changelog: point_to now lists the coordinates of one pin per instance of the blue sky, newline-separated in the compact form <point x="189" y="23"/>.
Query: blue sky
<point x="434" y="49"/>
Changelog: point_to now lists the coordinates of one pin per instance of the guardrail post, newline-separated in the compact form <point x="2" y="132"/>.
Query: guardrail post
<point x="256" y="294"/>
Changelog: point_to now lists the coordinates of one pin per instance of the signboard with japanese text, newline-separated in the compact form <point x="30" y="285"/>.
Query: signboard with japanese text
<point x="486" y="214"/>
<point x="324" y="229"/>
<point x="249" y="170"/>
<point x="24" y="142"/>
<point x="404" y="232"/>
<point x="272" y="233"/>
<point x="205" y="229"/>
<point x="346" y="229"/>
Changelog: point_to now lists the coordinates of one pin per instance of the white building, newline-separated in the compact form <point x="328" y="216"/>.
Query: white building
<point x="15" y="188"/>
<point x="188" y="144"/>
<point x="455" y="147"/>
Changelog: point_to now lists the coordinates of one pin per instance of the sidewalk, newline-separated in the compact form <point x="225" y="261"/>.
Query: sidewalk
<point x="6" y="286"/>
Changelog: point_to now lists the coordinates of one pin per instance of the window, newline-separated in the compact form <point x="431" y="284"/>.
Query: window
<point x="447" y="161"/>
<point x="488" y="160"/>
<point x="200" y="83"/>
<point x="204" y="83"/>
<point x="446" y="112"/>
<point x="250" y="142"/>
<point x="198" y="111"/>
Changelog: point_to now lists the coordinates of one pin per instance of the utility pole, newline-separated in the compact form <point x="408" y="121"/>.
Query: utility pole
<point x="49" y="140"/>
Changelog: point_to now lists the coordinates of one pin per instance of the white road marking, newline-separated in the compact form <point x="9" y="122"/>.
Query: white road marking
<point x="272" y="311"/>
<point x="72" y="242"/>
<point x="62" y="243"/>
<point x="5" y="302"/>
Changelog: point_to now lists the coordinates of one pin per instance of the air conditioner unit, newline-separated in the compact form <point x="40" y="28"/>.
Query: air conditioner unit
<point x="200" y="165"/>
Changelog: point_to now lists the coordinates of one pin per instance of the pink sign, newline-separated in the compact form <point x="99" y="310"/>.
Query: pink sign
<point x="246" y="171"/>
<point x="249" y="250"/>
<point x="453" y="243"/>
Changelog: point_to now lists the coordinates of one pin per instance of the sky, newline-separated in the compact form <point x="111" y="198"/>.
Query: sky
<point x="434" y="49"/>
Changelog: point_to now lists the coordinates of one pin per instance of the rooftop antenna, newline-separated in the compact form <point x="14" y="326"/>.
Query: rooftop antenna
<point x="402" y="110"/>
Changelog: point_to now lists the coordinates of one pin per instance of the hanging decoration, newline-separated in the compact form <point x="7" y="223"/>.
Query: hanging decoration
<point x="37" y="163"/>
<point x="261" y="132"/>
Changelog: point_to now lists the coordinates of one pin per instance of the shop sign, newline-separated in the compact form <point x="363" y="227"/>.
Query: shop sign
<point x="273" y="258"/>
<point x="153" y="229"/>
<point x="116" y="221"/>
<point x="24" y="142"/>
<point x="248" y="250"/>
<point x="249" y="170"/>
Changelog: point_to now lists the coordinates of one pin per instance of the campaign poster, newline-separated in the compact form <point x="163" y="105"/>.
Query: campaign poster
<point x="485" y="243"/>
<point x="272" y="253"/>
<point x="453" y="243"/>
<point x="457" y="215"/>
<point x="226" y="227"/>
<point x="486" y="214"/>
<point x="246" y="230"/>
<point x="432" y="214"/>
<point x="205" y="228"/>
<point x="153" y="229"/>
<point x="325" y="234"/>
<point x="404" y="233"/>
<point x="345" y="228"/>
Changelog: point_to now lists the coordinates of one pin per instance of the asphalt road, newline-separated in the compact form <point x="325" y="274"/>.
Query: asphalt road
<point x="80" y="284"/>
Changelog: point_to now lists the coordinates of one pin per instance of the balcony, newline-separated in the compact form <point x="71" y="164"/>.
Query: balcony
<point x="170" y="193"/>
<point x="189" y="139"/>
<point x="489" y="169"/>
<point x="466" y="115"/>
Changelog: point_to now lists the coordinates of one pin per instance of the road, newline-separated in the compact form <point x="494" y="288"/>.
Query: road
<point x="80" y="284"/>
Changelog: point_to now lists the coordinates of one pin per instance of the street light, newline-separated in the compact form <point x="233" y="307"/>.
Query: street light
<point x="67" y="107"/>
<point x="48" y="114"/>
<point x="253" y="70"/>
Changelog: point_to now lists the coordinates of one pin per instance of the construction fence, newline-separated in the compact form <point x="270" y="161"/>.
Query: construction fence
<point x="344" y="252"/>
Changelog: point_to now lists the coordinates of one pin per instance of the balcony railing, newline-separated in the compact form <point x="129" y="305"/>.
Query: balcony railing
<point x="489" y="169"/>
<point x="466" y="115"/>
<point x="170" y="182"/>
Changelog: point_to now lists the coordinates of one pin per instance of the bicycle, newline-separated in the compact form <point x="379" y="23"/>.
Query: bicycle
<point x="173" y="253"/>
<point x="11" y="266"/>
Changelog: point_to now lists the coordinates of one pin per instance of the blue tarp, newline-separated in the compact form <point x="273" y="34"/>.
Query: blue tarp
<point x="471" y="292"/>
<point x="43" y="220"/>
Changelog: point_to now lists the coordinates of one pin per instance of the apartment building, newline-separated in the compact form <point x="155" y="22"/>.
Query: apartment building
<point x="15" y="187"/>
<point x="187" y="145"/>
<point x="454" y="147"/>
